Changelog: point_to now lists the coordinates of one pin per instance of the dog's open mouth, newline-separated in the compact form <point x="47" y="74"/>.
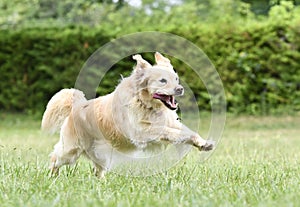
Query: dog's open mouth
<point x="169" y="101"/>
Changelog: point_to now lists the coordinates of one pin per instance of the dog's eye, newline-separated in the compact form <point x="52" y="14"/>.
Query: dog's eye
<point x="163" y="80"/>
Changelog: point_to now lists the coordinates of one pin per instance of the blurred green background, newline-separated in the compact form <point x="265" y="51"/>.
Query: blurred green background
<point x="254" y="45"/>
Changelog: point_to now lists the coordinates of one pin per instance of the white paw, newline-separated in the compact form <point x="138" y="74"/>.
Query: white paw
<point x="209" y="145"/>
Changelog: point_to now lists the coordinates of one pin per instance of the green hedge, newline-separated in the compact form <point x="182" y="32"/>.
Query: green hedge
<point x="37" y="62"/>
<point x="259" y="64"/>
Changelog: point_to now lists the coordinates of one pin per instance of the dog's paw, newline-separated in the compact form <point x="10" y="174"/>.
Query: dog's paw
<point x="54" y="172"/>
<point x="209" y="145"/>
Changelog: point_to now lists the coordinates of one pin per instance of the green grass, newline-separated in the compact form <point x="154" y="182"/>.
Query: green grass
<point x="255" y="164"/>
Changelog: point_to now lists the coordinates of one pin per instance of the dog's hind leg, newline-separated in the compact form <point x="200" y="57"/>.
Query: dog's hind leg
<point x="62" y="156"/>
<point x="99" y="171"/>
<point x="66" y="151"/>
<point x="99" y="162"/>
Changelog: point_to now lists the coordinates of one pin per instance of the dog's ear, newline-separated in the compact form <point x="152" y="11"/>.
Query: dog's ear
<point x="140" y="62"/>
<point x="140" y="72"/>
<point x="161" y="60"/>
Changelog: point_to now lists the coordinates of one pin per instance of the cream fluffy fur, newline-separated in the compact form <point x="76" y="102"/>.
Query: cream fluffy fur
<point x="130" y="118"/>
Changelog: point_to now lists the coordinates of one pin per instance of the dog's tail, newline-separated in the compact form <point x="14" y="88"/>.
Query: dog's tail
<point x="59" y="107"/>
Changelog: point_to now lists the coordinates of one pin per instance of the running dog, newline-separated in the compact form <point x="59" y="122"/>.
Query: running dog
<point x="141" y="110"/>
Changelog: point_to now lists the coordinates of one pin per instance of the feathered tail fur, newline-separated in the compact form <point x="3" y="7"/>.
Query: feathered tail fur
<point x="59" y="107"/>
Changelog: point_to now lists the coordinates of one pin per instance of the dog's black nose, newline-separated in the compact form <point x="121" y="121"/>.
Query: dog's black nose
<point x="179" y="90"/>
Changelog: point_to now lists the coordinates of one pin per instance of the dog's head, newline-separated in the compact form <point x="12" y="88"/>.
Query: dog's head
<point x="158" y="84"/>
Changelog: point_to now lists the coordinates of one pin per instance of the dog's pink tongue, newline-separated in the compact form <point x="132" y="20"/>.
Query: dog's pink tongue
<point x="161" y="97"/>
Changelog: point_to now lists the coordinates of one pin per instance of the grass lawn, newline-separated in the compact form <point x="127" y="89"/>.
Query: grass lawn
<point x="257" y="163"/>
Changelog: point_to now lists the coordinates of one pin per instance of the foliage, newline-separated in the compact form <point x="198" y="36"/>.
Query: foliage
<point x="256" y="57"/>
<point x="35" y="64"/>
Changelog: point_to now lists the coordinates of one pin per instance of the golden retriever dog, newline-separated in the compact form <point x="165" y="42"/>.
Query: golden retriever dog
<point x="140" y="111"/>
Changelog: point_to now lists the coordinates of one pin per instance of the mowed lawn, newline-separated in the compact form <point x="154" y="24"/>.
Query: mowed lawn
<point x="256" y="163"/>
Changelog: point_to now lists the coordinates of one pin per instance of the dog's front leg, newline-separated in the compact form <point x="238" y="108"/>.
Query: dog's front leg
<point x="185" y="135"/>
<point x="197" y="141"/>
